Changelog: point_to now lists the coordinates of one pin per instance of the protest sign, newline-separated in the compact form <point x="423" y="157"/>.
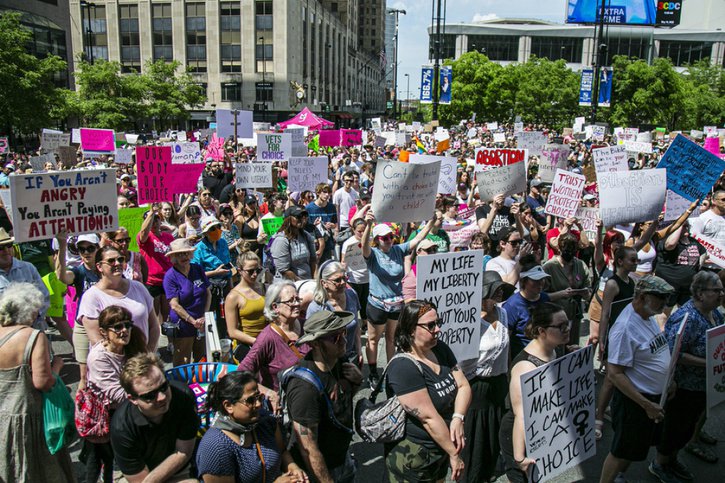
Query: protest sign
<point x="50" y="140"/>
<point x="67" y="155"/>
<point x="449" y="165"/>
<point x="375" y="124"/>
<point x="588" y="218"/>
<point x="181" y="137"/>
<point x="329" y="138"/>
<point x="402" y="138"/>
<point x="715" y="250"/>
<point x="691" y="170"/>
<point x="443" y="146"/>
<point x="460" y="236"/>
<point x="152" y="171"/>
<point x="297" y="135"/>
<point x="559" y="401"/>
<point x="131" y="138"/>
<point x="518" y="127"/>
<point x="7" y="203"/>
<point x="75" y="136"/>
<point x="487" y="158"/>
<point x="676" y="348"/>
<point x="610" y="158"/>
<point x="675" y="205"/>
<point x="273" y="147"/>
<point x="184" y="178"/>
<point x="533" y="141"/>
<point x="452" y="281"/>
<point x="38" y="162"/>
<point x="131" y="219"/>
<point x="354" y="258"/>
<point x="272" y="225"/>
<point x="712" y="145"/>
<point x="499" y="137"/>
<point x="598" y="133"/>
<point x="123" y="156"/>
<point x="253" y="175"/>
<point x="492" y="126"/>
<point x="709" y="131"/>
<point x="77" y="202"/>
<point x="631" y="196"/>
<point x="579" y="124"/>
<point x="379" y="141"/>
<point x="306" y="173"/>
<point x="695" y="134"/>
<point x="350" y="137"/>
<point x="405" y="192"/>
<point x="504" y="180"/>
<point x="553" y="157"/>
<point x="565" y="197"/>
<point x="472" y="133"/>
<point x="186" y="153"/>
<point x="225" y="124"/>
<point x="638" y="147"/>
<point x="4" y="145"/>
<point x="97" y="140"/>
<point x="715" y="367"/>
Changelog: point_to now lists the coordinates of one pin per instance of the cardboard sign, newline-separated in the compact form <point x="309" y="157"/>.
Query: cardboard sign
<point x="565" y="197"/>
<point x="533" y="141"/>
<point x="306" y="173"/>
<point x="50" y="140"/>
<point x="449" y="166"/>
<point x="253" y="175"/>
<point x="487" y="158"/>
<point x="152" y="169"/>
<point x="553" y="157"/>
<point x="598" y="133"/>
<point x="405" y="192"/>
<point x="272" y="225"/>
<point x="354" y="259"/>
<point x="78" y="202"/>
<point x="453" y="282"/>
<point x="350" y="137"/>
<point x="297" y="134"/>
<point x="329" y="138"/>
<point x="610" y="158"/>
<point x="186" y="153"/>
<point x="715" y="367"/>
<point x="691" y="170"/>
<point x="67" y="155"/>
<point x="499" y="137"/>
<point x="4" y="145"/>
<point x="131" y="219"/>
<point x="380" y="141"/>
<point x="638" y="147"/>
<point x="712" y="145"/>
<point x="123" y="156"/>
<point x="559" y="401"/>
<point x="588" y="218"/>
<point x="225" y="124"/>
<point x="97" y="140"/>
<point x="460" y="236"/>
<point x="676" y="348"/>
<point x="675" y="205"/>
<point x="38" y="162"/>
<point x="715" y="251"/>
<point x="273" y="147"/>
<point x="631" y="196"/>
<point x="505" y="180"/>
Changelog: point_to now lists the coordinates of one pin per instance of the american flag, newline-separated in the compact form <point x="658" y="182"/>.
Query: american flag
<point x="383" y="59"/>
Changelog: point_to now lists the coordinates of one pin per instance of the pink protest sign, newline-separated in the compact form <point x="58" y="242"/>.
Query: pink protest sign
<point x="98" y="140"/>
<point x="152" y="169"/>
<point x="351" y="137"/>
<point x="329" y="137"/>
<point x="713" y="145"/>
<point x="184" y="177"/>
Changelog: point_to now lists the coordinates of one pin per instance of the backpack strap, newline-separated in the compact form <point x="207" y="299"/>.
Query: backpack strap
<point x="399" y="355"/>
<point x="307" y="375"/>
<point x="286" y="340"/>
<point x="9" y="335"/>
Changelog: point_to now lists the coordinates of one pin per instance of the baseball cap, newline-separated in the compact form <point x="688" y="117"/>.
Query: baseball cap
<point x="535" y="273"/>
<point x="295" y="211"/>
<point x="654" y="285"/>
<point x="381" y="230"/>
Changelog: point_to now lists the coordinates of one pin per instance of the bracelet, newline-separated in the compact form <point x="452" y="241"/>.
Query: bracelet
<point x="519" y="462"/>
<point x="458" y="416"/>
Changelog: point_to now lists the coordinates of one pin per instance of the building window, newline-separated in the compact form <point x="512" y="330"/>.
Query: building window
<point x="304" y="43"/>
<point x="231" y="91"/>
<point x="628" y="46"/>
<point x="682" y="52"/>
<point x="130" y="43"/>
<point x="555" y="48"/>
<point x="231" y="37"/>
<point x="264" y="54"/>
<point x="495" y="47"/>
<point x="196" y="37"/>
<point x="263" y="17"/>
<point x="265" y="91"/>
<point x="96" y="36"/>
<point x="161" y="26"/>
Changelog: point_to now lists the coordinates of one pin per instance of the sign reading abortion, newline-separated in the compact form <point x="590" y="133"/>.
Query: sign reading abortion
<point x="77" y="202"/>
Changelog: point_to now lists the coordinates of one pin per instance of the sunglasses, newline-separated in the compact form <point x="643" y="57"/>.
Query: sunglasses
<point x="87" y="248"/>
<point x="121" y="326"/>
<point x="292" y="301"/>
<point x="562" y="327"/>
<point x="113" y="261"/>
<point x="253" y="271"/>
<point x="153" y="395"/>
<point x="429" y="251"/>
<point x="122" y="240"/>
<point x="385" y="238"/>
<point x="431" y="326"/>
<point x="335" y="338"/>
<point x="251" y="401"/>
<point x="338" y="281"/>
<point x="514" y="243"/>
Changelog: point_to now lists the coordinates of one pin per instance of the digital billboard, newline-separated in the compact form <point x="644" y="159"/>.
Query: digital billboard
<point x="625" y="12"/>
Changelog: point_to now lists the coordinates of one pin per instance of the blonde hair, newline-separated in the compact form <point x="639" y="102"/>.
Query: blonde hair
<point x="20" y="304"/>
<point x="138" y="366"/>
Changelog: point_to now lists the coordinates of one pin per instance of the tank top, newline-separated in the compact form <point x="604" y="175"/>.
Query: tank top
<point x="251" y="316"/>
<point x="133" y="267"/>
<point x="191" y="231"/>
<point x="646" y="259"/>
<point x="623" y="298"/>
<point x="249" y="233"/>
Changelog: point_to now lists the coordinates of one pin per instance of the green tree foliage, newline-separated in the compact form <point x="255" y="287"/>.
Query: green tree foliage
<point x="704" y="86"/>
<point x="169" y="94"/>
<point x="29" y="98"/>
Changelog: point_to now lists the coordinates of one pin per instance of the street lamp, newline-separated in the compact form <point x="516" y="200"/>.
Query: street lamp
<point x="396" y="12"/>
<point x="264" y="80"/>
<point x="407" y="93"/>
<point x="87" y="33"/>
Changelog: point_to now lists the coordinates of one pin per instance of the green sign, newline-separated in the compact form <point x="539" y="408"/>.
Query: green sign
<point x="272" y="225"/>
<point x="390" y="104"/>
<point x="131" y="219"/>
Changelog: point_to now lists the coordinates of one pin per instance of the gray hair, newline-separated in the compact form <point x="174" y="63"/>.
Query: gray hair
<point x="20" y="304"/>
<point x="272" y="297"/>
<point x="703" y="280"/>
<point x="326" y="271"/>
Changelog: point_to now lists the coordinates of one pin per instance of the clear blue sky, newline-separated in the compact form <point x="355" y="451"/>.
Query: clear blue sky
<point x="413" y="43"/>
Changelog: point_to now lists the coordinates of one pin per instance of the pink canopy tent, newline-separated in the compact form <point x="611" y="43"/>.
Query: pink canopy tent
<point x="307" y="118"/>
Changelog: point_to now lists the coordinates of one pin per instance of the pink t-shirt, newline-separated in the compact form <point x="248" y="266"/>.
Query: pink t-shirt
<point x="137" y="300"/>
<point x="154" y="252"/>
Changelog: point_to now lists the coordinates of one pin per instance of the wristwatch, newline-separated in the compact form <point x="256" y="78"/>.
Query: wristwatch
<point x="459" y="416"/>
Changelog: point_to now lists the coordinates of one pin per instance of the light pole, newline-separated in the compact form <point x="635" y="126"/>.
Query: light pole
<point x="264" y="81"/>
<point x="407" y="93"/>
<point x="87" y="33"/>
<point x="396" y="12"/>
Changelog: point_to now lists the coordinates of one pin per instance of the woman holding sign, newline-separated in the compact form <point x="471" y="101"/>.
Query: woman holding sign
<point x="548" y="328"/>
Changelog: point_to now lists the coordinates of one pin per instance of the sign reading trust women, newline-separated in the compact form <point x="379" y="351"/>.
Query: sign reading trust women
<point x="44" y="204"/>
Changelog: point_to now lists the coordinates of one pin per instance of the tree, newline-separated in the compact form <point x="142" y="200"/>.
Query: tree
<point x="168" y="95"/>
<point x="472" y="74"/>
<point x="704" y="86"/>
<point x="29" y="97"/>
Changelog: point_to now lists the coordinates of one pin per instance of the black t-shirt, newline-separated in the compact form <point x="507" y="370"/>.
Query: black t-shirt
<point x="84" y="279"/>
<point x="404" y="378"/>
<point x="139" y="443"/>
<point x="502" y="219"/>
<point x="679" y="265"/>
<point x="308" y="407"/>
<point x="216" y="183"/>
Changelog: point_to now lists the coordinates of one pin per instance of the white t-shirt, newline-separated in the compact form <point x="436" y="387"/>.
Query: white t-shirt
<point x="641" y="347"/>
<point x="710" y="225"/>
<point x="344" y="201"/>
<point x="646" y="259"/>
<point x="357" y="269"/>
<point x="493" y="350"/>
<point x="502" y="265"/>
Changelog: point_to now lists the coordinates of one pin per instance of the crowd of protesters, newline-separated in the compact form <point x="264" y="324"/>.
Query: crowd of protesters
<point x="319" y="295"/>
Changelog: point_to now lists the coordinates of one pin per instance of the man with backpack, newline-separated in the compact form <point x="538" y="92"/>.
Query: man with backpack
<point x="319" y="394"/>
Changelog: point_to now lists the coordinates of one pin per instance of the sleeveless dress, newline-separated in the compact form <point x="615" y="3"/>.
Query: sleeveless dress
<point x="26" y="457"/>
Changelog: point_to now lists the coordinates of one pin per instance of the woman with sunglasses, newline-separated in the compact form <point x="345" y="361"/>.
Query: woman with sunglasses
<point x="244" y="306"/>
<point x="120" y="341"/>
<point x="333" y="294"/>
<point x="434" y="393"/>
<point x="189" y="294"/>
<point x="236" y="201"/>
<point x="153" y="243"/>
<point x="274" y="349"/>
<point x="249" y="223"/>
<point x="206" y="203"/>
<point x="245" y="444"/>
<point x="136" y="267"/>
<point x="386" y="267"/>
<point x="548" y="329"/>
<point x="191" y="228"/>
<point x="293" y="249"/>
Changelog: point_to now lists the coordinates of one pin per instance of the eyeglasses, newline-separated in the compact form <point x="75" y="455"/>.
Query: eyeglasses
<point x="86" y="248"/>
<point x="562" y="327"/>
<point x="292" y="301"/>
<point x="514" y="243"/>
<point x="252" y="271"/>
<point x="431" y="326"/>
<point x="347" y="181"/>
<point x="127" y="324"/>
<point x="335" y="338"/>
<point x="122" y="240"/>
<point x="113" y="261"/>
<point x="251" y="401"/>
<point x="338" y="281"/>
<point x="153" y="395"/>
<point x="386" y="238"/>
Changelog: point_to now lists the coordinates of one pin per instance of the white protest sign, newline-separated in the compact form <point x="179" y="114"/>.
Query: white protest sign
<point x="675" y="205"/>
<point x="75" y="136"/>
<point x="416" y="126"/>
<point x="566" y="191"/>
<point x="354" y="259"/>
<point x="380" y="141"/>
<point x="553" y="157"/>
<point x="453" y="281"/>
<point x="460" y="236"/>
<point x="38" y="162"/>
<point x="676" y="348"/>
<point x="225" y="124"/>
<point x="306" y="173"/>
<point x="518" y="127"/>
<point x="77" y="202"/>
<point x="492" y="126"/>
<point x="131" y="138"/>
<point x="472" y="133"/>
<point x="579" y="124"/>
<point x="375" y="124"/>
<point x="123" y="156"/>
<point x="638" y="147"/>
<point x="534" y="141"/>
<point x="51" y="140"/>
<point x="253" y="175"/>
<point x="710" y="131"/>
<point x="273" y="147"/>
<point x="598" y="133"/>
<point x="644" y="137"/>
<point x="299" y="148"/>
<point x="181" y="136"/>
<point x="401" y="138"/>
<point x="401" y="126"/>
<point x="504" y="180"/>
<point x="405" y="192"/>
<point x="449" y="165"/>
<point x="186" y="153"/>
<point x="558" y="400"/>
<point x="696" y="134"/>
<point x="630" y="133"/>
<point x="588" y="218"/>
<point x="715" y="251"/>
<point x="610" y="158"/>
<point x="499" y="137"/>
<point x="631" y="196"/>
<point x="441" y="134"/>
<point x="715" y="367"/>
<point x="7" y="203"/>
